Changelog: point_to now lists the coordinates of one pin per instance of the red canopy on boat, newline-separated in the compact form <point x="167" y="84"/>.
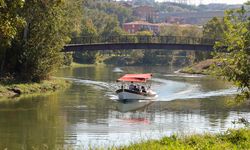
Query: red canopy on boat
<point x="135" y="77"/>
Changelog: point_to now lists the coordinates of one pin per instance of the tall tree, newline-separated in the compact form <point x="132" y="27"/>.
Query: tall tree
<point x="10" y="23"/>
<point x="49" y="26"/>
<point x="233" y="51"/>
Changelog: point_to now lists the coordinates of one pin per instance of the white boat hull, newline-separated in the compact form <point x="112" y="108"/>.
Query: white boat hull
<point x="130" y="96"/>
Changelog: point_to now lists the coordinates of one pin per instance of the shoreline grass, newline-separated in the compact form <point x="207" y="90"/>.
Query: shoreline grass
<point x="9" y="90"/>
<point x="231" y="139"/>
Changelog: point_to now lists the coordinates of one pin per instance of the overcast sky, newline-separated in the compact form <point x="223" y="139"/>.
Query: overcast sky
<point x="197" y="2"/>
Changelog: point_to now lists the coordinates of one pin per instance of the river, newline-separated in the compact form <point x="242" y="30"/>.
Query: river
<point x="88" y="113"/>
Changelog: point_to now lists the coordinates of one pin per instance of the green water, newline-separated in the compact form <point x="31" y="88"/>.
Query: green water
<point x="88" y="113"/>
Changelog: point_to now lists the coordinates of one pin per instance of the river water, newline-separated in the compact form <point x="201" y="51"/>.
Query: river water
<point x="89" y="115"/>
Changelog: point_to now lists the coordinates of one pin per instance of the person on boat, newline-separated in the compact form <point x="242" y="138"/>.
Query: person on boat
<point x="131" y="86"/>
<point x="143" y="89"/>
<point x="137" y="88"/>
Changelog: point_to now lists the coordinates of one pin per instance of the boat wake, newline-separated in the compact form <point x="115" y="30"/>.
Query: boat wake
<point x="95" y="84"/>
<point x="172" y="90"/>
<point x="167" y="90"/>
<point x="185" y="75"/>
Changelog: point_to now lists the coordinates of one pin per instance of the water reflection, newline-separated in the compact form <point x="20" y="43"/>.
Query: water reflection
<point x="85" y="114"/>
<point x="31" y="122"/>
<point x="133" y="105"/>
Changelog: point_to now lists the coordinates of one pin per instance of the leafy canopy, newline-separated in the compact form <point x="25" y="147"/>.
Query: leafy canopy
<point x="233" y="51"/>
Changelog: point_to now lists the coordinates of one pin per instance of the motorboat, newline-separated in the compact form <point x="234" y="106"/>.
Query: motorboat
<point x="135" y="87"/>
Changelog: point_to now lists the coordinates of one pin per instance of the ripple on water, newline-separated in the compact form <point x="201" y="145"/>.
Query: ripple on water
<point x="167" y="90"/>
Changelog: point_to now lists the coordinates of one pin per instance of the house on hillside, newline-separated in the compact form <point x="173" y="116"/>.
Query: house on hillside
<point x="133" y="27"/>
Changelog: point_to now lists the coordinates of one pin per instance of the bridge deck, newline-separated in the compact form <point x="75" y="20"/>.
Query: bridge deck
<point x="128" y="42"/>
<point x="129" y="46"/>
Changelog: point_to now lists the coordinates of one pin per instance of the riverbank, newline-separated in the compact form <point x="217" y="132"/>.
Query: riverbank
<point x="231" y="139"/>
<point x="203" y="67"/>
<point x="9" y="90"/>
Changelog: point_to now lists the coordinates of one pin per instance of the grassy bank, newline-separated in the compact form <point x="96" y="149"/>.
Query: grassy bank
<point x="15" y="89"/>
<point x="203" y="67"/>
<point x="231" y="139"/>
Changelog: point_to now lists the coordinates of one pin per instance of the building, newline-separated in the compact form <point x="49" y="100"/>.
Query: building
<point x="133" y="27"/>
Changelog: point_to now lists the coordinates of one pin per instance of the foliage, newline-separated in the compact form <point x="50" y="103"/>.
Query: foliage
<point x="10" y="23"/>
<point x="33" y="33"/>
<point x="47" y="31"/>
<point x="111" y="29"/>
<point x="101" y="13"/>
<point x="67" y="59"/>
<point x="213" y="29"/>
<point x="87" y="29"/>
<point x="231" y="139"/>
<point x="233" y="50"/>
<point x="180" y="30"/>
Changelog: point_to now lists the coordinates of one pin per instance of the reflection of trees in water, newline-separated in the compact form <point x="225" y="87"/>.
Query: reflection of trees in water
<point x="215" y="111"/>
<point x="218" y="109"/>
<point x="30" y="123"/>
<point x="86" y="104"/>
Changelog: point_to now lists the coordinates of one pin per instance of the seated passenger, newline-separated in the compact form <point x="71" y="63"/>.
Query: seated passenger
<point x="143" y="89"/>
<point x="131" y="86"/>
<point x="137" y="88"/>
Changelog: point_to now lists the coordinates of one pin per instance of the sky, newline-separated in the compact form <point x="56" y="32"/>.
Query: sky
<point x="197" y="2"/>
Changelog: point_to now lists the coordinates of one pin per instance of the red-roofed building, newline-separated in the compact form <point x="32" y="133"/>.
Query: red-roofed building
<point x="133" y="27"/>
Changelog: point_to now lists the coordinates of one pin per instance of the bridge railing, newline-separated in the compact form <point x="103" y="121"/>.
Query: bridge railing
<point x="88" y="40"/>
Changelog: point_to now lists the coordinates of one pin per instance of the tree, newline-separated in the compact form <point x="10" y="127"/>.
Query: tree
<point x="49" y="26"/>
<point x="233" y="51"/>
<point x="10" y="23"/>
<point x="87" y="29"/>
<point x="213" y="29"/>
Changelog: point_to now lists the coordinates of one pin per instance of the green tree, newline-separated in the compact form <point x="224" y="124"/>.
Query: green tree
<point x="10" y="24"/>
<point x="88" y="28"/>
<point x="213" y="29"/>
<point x="49" y="26"/>
<point x="171" y="30"/>
<point x="112" y="29"/>
<point x="233" y="50"/>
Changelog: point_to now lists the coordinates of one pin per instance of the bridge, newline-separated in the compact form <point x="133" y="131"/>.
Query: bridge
<point x="128" y="42"/>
